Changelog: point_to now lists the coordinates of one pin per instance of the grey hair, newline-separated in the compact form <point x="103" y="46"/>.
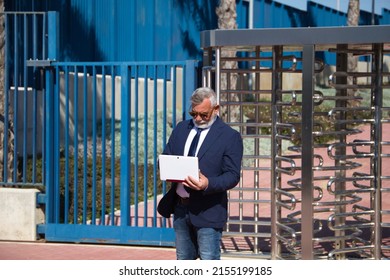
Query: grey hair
<point x="203" y="93"/>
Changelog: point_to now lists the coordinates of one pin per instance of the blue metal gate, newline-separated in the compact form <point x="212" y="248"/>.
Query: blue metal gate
<point x="106" y="123"/>
<point x="91" y="140"/>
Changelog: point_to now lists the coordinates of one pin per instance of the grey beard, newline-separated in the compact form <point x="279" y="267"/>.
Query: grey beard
<point x="207" y="124"/>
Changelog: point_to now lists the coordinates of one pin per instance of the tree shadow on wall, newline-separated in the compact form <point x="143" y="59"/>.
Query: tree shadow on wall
<point x="203" y="16"/>
<point x="73" y="29"/>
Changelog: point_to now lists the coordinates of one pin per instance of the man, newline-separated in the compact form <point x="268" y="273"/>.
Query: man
<point x="201" y="210"/>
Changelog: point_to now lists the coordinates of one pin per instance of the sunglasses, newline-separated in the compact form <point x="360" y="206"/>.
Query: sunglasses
<point x="202" y="115"/>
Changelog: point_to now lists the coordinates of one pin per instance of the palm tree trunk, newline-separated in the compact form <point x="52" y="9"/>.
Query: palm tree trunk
<point x="5" y="163"/>
<point x="353" y="20"/>
<point x="227" y="19"/>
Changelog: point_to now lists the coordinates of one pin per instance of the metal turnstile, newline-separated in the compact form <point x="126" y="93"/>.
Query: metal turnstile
<point x="315" y="178"/>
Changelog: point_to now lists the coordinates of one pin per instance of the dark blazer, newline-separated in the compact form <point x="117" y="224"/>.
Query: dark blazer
<point x="220" y="159"/>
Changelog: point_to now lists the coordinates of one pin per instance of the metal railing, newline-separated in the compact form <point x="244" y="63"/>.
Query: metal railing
<point x="314" y="182"/>
<point x="87" y="135"/>
<point x="105" y="125"/>
<point x="24" y="39"/>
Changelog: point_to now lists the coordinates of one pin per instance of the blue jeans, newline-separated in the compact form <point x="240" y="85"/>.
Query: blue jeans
<point x="193" y="242"/>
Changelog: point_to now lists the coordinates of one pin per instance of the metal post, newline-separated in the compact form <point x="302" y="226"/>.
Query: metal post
<point x="340" y="172"/>
<point x="377" y="69"/>
<point x="218" y="73"/>
<point x="275" y="147"/>
<point x="49" y="137"/>
<point x="307" y="151"/>
<point x="53" y="39"/>
<point x="125" y="147"/>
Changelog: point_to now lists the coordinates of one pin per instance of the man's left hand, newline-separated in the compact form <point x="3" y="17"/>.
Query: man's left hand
<point x="198" y="185"/>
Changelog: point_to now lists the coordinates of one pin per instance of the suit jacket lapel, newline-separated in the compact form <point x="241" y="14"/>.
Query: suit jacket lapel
<point x="212" y="136"/>
<point x="184" y="136"/>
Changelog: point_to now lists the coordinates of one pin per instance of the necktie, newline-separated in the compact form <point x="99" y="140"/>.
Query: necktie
<point x="194" y="143"/>
<point x="192" y="150"/>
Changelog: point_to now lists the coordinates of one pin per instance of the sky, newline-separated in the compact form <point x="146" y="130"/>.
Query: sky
<point x="341" y="5"/>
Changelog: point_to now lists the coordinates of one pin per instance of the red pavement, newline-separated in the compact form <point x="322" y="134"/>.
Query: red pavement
<point x="65" y="251"/>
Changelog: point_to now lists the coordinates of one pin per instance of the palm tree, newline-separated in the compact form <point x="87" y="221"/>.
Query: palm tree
<point x="353" y="12"/>
<point x="227" y="19"/>
<point x="353" y="20"/>
<point x="10" y="151"/>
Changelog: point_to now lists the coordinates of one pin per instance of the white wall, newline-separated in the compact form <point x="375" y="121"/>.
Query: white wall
<point x="26" y="120"/>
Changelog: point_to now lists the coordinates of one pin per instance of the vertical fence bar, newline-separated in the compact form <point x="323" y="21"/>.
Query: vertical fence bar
<point x="103" y="141"/>
<point x="16" y="95"/>
<point x="155" y="125"/>
<point x="35" y="104"/>
<point x="94" y="138"/>
<point x="377" y="69"/>
<point x="174" y="91"/>
<point x="164" y="126"/>
<point x="136" y="142"/>
<point x="54" y="137"/>
<point x="25" y="96"/>
<point x="75" y="146"/>
<point x="53" y="37"/>
<point x="43" y="56"/>
<point x="85" y="142"/>
<point x="113" y="146"/>
<point x="340" y="186"/>
<point x="49" y="167"/>
<point x="218" y="73"/>
<point x="146" y="140"/>
<point x="275" y="147"/>
<point x="66" y="144"/>
<point x="307" y="151"/>
<point x="125" y="146"/>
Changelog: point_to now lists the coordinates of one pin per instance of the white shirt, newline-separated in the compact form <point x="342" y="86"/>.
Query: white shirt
<point x="180" y="187"/>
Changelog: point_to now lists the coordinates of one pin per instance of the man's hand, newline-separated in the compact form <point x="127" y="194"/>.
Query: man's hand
<point x="194" y="184"/>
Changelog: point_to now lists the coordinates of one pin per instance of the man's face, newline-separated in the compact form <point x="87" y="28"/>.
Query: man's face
<point x="203" y="113"/>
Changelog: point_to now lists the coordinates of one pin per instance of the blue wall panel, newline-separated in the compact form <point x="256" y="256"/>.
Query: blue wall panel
<point x="242" y="14"/>
<point x="164" y="30"/>
<point x="269" y="14"/>
<point x="385" y="18"/>
<point x="123" y="30"/>
<point x="319" y="15"/>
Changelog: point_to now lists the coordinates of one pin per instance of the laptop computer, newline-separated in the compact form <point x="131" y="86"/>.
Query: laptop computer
<point x="177" y="168"/>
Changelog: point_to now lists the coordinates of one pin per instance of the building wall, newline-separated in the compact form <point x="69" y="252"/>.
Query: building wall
<point x="164" y="30"/>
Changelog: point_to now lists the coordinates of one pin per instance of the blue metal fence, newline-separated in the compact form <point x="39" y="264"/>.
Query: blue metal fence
<point x="87" y="135"/>
<point x="25" y="39"/>
<point x="106" y="125"/>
